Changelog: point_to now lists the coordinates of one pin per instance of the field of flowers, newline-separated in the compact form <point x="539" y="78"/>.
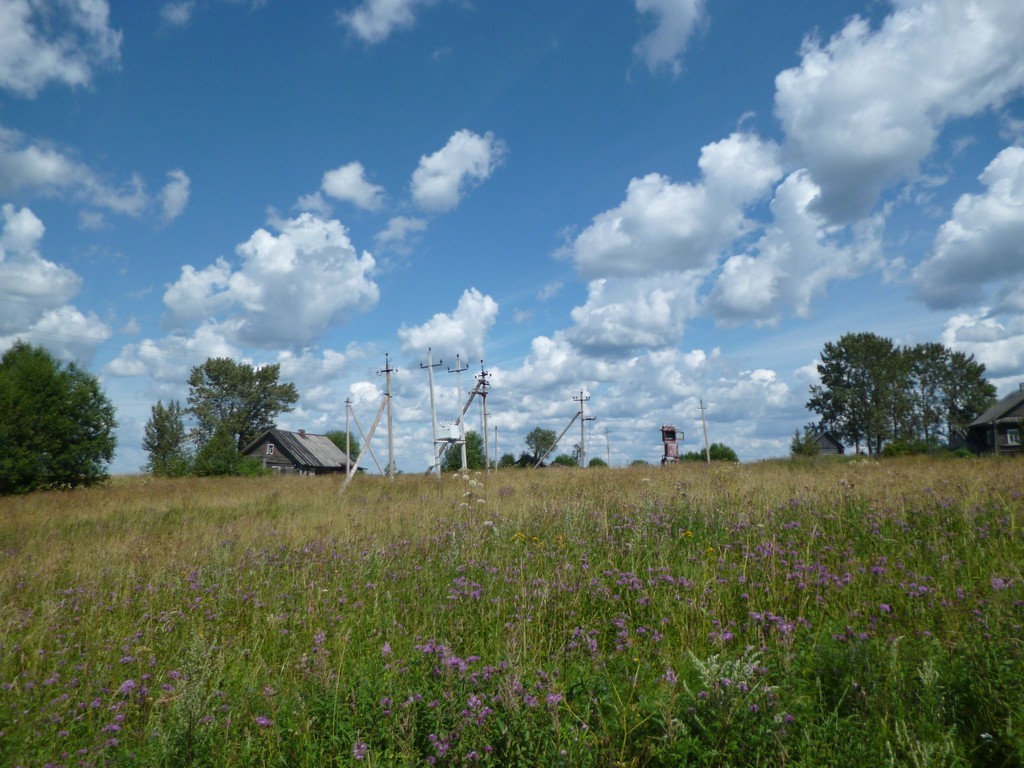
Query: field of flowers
<point x="783" y="613"/>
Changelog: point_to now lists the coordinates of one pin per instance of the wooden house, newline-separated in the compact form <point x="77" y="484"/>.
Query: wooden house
<point x="828" y="444"/>
<point x="1000" y="429"/>
<point x="297" y="453"/>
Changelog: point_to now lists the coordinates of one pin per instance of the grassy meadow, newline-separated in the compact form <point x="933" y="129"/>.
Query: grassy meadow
<point x="846" y="613"/>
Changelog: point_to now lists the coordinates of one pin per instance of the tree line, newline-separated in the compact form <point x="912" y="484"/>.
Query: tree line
<point x="874" y="392"/>
<point x="230" y="405"/>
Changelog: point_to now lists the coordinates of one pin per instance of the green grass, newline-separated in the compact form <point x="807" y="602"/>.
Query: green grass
<point x="783" y="613"/>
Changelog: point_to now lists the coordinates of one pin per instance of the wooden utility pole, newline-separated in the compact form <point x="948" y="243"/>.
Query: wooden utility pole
<point x="348" y="440"/>
<point x="388" y="370"/>
<point x="707" y="449"/>
<point x="583" y="422"/>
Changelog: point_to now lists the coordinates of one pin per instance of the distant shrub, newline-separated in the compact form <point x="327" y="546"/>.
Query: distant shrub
<point x="717" y="452"/>
<point x="907" y="448"/>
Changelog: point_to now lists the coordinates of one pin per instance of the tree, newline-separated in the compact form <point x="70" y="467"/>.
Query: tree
<point x="862" y="395"/>
<point x="804" y="444"/>
<point x="218" y="456"/>
<point x="341" y="438"/>
<point x="452" y="460"/>
<point x="966" y="394"/>
<point x="506" y="460"/>
<point x="56" y="424"/>
<point x="597" y="462"/>
<point x="165" y="441"/>
<point x="238" y="397"/>
<point x="874" y="392"/>
<point x="565" y="460"/>
<point x="540" y="441"/>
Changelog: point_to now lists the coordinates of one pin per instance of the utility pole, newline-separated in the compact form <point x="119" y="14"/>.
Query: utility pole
<point x="608" y="446"/>
<point x="430" y="366"/>
<point x="583" y="424"/>
<point x="348" y="441"/>
<point x="462" y="422"/>
<point x="482" y="386"/>
<point x="707" y="450"/>
<point x="388" y="370"/>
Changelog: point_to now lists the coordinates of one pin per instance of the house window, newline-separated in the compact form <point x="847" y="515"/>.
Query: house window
<point x="270" y="448"/>
<point x="1013" y="436"/>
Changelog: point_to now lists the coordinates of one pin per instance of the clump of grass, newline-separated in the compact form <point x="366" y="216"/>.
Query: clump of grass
<point x="771" y="614"/>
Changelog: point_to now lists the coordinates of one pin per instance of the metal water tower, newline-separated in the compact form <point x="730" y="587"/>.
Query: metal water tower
<point x="671" y="439"/>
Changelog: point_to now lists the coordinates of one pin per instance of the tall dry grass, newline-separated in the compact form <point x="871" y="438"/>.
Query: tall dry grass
<point x="782" y="613"/>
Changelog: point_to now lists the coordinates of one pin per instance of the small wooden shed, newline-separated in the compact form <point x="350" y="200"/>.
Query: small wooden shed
<point x="297" y="453"/>
<point x="828" y="444"/>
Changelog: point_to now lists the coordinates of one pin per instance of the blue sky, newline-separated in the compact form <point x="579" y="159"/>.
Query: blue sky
<point x="654" y="202"/>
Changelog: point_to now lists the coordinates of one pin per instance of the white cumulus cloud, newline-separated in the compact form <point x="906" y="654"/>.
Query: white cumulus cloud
<point x="864" y="109"/>
<point x="998" y="343"/>
<point x="676" y="21"/>
<point x="464" y="331"/>
<point x="441" y="179"/>
<point x="983" y="242"/>
<point x="374" y="20"/>
<point x="177" y="14"/>
<point x="289" y="288"/>
<point x="34" y="293"/>
<point x="36" y="168"/>
<point x="793" y="261"/>
<point x="174" y="196"/>
<point x="46" y="40"/>
<point x="663" y="225"/>
<point x="348" y="183"/>
<point x="625" y="315"/>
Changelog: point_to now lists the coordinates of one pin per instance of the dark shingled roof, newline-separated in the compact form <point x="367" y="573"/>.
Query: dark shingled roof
<point x="304" y="449"/>
<point x="1000" y="409"/>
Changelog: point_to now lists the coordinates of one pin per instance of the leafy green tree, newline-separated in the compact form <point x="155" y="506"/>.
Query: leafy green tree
<point x="243" y="400"/>
<point x="540" y="441"/>
<point x="597" y="462"/>
<point x="874" y="392"/>
<point x="804" y="443"/>
<point x="716" y="451"/>
<point x="928" y="369"/>
<point x="165" y="441"/>
<point x="56" y="424"/>
<point x="218" y="456"/>
<point x="506" y="460"/>
<point x="862" y="395"/>
<point x="565" y="460"/>
<point x="966" y="394"/>
<point x="452" y="460"/>
<point x="341" y="438"/>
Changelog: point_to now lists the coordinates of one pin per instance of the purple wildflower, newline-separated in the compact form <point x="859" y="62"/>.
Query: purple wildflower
<point x="263" y="721"/>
